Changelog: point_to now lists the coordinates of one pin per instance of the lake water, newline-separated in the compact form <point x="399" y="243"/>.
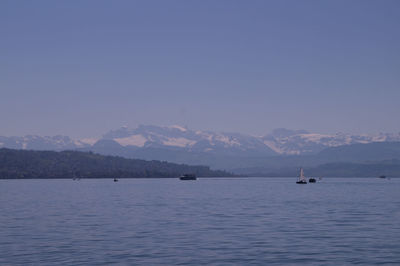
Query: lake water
<point x="257" y="221"/>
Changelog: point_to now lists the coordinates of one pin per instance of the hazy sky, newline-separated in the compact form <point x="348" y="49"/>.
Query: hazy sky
<point x="81" y="68"/>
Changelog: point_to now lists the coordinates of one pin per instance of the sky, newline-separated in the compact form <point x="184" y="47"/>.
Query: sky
<point x="82" y="68"/>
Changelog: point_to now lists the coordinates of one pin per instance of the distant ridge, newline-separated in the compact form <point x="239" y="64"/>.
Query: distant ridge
<point x="389" y="168"/>
<point x="350" y="160"/>
<point x="376" y="151"/>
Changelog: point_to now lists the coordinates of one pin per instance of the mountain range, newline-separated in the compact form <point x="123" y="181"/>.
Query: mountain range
<point x="242" y="153"/>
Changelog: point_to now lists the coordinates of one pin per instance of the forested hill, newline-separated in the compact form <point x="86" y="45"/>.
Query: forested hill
<point x="18" y="164"/>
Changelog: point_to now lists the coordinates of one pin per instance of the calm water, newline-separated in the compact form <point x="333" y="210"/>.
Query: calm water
<point x="208" y="221"/>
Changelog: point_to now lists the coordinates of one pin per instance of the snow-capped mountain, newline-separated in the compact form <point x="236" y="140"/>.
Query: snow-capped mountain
<point x="284" y="141"/>
<point x="278" y="142"/>
<point x="31" y="142"/>
<point x="183" y="138"/>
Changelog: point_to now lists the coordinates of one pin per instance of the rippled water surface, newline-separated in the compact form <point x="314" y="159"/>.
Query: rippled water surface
<point x="223" y="221"/>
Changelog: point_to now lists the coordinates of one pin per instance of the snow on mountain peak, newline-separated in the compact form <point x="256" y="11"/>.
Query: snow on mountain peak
<point x="85" y="142"/>
<point x="179" y="142"/>
<point x="181" y="128"/>
<point x="133" y="140"/>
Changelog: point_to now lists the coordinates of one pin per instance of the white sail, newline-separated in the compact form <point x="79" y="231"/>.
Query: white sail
<point x="302" y="177"/>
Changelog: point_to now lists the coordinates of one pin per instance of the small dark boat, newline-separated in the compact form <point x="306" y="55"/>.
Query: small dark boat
<point x="188" y="177"/>
<point x="75" y="177"/>
<point x="302" y="178"/>
<point x="312" y="180"/>
<point x="115" y="180"/>
<point x="382" y="176"/>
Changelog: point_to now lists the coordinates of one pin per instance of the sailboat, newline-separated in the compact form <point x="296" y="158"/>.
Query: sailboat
<point x="302" y="179"/>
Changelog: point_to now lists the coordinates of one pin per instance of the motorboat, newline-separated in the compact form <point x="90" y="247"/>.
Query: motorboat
<point x="188" y="177"/>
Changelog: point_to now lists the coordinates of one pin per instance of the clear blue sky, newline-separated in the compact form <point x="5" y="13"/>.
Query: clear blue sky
<point x="81" y="68"/>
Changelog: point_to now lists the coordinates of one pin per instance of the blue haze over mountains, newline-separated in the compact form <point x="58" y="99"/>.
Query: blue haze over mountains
<point x="280" y="150"/>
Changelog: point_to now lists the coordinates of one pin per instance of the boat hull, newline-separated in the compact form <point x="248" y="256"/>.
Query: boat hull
<point x="187" y="178"/>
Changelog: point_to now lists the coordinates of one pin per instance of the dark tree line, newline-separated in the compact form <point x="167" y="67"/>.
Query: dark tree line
<point x="16" y="164"/>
